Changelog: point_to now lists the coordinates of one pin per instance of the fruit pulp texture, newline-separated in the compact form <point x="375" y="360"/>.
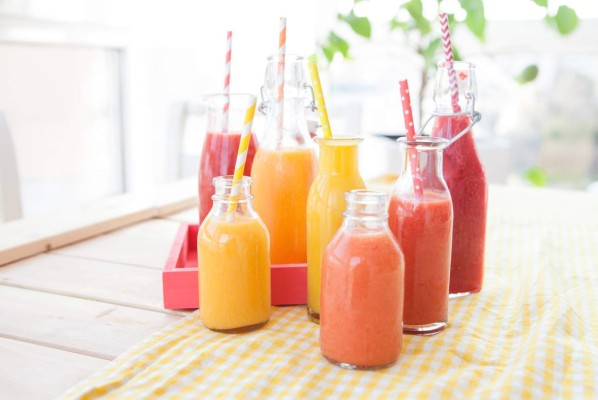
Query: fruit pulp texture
<point x="362" y="299"/>
<point x="234" y="272"/>
<point x="423" y="228"/>
<point x="218" y="158"/>
<point x="466" y="180"/>
<point x="281" y="182"/>
<point x="325" y="205"/>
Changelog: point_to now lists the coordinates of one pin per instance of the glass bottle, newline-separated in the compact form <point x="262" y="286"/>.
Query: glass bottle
<point x="221" y="143"/>
<point x="234" y="262"/>
<point x="337" y="173"/>
<point x="464" y="175"/>
<point x="422" y="222"/>
<point x="361" y="318"/>
<point x="285" y="164"/>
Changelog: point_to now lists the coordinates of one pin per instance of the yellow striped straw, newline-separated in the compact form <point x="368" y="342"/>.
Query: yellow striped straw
<point x="315" y="81"/>
<point x="241" y="157"/>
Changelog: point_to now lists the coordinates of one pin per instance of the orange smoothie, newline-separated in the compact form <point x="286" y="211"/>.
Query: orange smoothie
<point x="423" y="228"/>
<point x="281" y="182"/>
<point x="234" y="272"/>
<point x="337" y="174"/>
<point x="362" y="303"/>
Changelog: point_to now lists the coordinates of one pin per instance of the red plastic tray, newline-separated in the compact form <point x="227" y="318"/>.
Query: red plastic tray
<point x="180" y="281"/>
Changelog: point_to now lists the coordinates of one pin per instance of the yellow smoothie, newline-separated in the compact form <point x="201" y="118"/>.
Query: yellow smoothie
<point x="234" y="272"/>
<point x="337" y="174"/>
<point x="281" y="182"/>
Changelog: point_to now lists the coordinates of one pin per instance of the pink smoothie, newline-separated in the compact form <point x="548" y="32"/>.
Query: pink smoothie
<point x="362" y="299"/>
<point x="218" y="159"/>
<point x="423" y="228"/>
<point x="466" y="180"/>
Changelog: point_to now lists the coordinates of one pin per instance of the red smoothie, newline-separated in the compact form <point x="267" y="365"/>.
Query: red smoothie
<point x="466" y="180"/>
<point x="361" y="305"/>
<point x="423" y="228"/>
<point x="217" y="159"/>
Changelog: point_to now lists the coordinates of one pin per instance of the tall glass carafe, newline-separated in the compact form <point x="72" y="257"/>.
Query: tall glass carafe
<point x="285" y="164"/>
<point x="337" y="173"/>
<point x="421" y="218"/>
<point x="464" y="175"/>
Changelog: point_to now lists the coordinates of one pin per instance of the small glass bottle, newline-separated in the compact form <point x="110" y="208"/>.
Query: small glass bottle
<point x="234" y="262"/>
<point x="221" y="143"/>
<point x="285" y="164"/>
<point x="422" y="223"/>
<point x="464" y="175"/>
<point x="337" y="173"/>
<point x="361" y="319"/>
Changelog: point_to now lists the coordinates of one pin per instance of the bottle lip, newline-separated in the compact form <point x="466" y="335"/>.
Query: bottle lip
<point x="424" y="142"/>
<point x="339" y="140"/>
<point x="365" y="196"/>
<point x="227" y="181"/>
<point x="457" y="65"/>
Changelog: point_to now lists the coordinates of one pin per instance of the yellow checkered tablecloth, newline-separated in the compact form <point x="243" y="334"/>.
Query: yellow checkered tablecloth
<point x="532" y="332"/>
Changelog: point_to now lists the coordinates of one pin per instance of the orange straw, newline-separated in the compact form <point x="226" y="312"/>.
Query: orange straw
<point x="282" y="48"/>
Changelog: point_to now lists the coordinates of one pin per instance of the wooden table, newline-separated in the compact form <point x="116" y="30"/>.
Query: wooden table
<point x="78" y="289"/>
<point x="65" y="313"/>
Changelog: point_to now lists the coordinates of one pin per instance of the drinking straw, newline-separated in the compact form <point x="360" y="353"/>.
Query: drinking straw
<point x="229" y="40"/>
<point x="412" y="152"/>
<point x="282" y="48"/>
<point x="241" y="157"/>
<point x="449" y="58"/>
<point x="315" y="80"/>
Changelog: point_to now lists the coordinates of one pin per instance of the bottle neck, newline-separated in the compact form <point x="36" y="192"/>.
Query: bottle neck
<point x="366" y="210"/>
<point x="338" y="156"/>
<point x="286" y="125"/>
<point x="425" y="156"/>
<point x="230" y="197"/>
<point x="429" y="162"/>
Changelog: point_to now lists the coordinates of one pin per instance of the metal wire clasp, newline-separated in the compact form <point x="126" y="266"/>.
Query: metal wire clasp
<point x="311" y="105"/>
<point x="475" y="117"/>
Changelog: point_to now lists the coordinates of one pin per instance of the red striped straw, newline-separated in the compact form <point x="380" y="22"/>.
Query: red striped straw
<point x="412" y="152"/>
<point x="282" y="49"/>
<point x="229" y="44"/>
<point x="449" y="58"/>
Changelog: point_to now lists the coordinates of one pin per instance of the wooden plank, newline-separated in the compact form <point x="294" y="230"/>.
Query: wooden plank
<point x="35" y="372"/>
<point x="95" y="280"/>
<point x="189" y="216"/>
<point x="83" y="326"/>
<point x="24" y="238"/>
<point x="145" y="244"/>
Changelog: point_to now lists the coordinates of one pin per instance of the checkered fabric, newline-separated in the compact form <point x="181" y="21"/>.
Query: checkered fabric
<point x="531" y="333"/>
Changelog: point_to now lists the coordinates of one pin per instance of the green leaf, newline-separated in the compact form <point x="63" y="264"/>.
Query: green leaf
<point x="566" y="20"/>
<point x="415" y="9"/>
<point x="328" y="52"/>
<point x="528" y="74"/>
<point x="360" y="25"/>
<point x="475" y="20"/>
<point x="456" y="54"/>
<point x="339" y="43"/>
<point x="536" y="176"/>
<point x="429" y="53"/>
<point x="541" y="3"/>
<point x="396" y="24"/>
